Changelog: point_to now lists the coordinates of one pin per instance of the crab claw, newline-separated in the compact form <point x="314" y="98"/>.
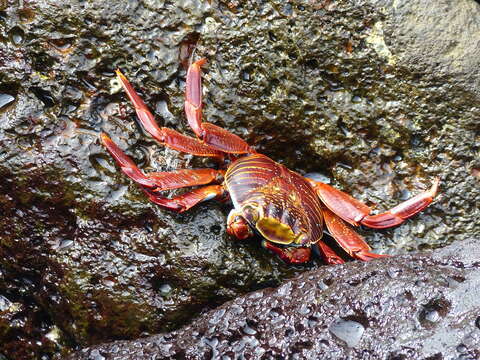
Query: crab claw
<point x="298" y="255"/>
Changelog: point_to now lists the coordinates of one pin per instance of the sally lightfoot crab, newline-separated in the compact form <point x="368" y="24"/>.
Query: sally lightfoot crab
<point x="289" y="211"/>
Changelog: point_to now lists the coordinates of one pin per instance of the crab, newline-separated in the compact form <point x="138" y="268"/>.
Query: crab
<point x="289" y="211"/>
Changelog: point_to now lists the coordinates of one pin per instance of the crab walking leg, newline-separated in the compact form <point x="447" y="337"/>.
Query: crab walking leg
<point x="402" y="211"/>
<point x="298" y="255"/>
<point x="159" y="181"/>
<point x="356" y="212"/>
<point x="347" y="238"/>
<point x="165" y="136"/>
<point x="327" y="253"/>
<point x="212" y="135"/>
<point x="185" y="201"/>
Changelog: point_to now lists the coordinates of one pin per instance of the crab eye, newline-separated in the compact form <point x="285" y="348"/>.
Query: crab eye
<point x="250" y="212"/>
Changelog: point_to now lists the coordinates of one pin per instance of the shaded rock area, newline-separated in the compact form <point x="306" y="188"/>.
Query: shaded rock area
<point x="366" y="93"/>
<point x="422" y="306"/>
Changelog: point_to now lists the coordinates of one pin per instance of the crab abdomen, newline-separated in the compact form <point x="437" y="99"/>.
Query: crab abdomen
<point x="285" y="207"/>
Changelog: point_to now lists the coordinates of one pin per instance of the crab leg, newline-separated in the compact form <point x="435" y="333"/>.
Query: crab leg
<point x="212" y="135"/>
<point x="347" y="238"/>
<point x="297" y="255"/>
<point x="328" y="254"/>
<point x="185" y="201"/>
<point x="402" y="211"/>
<point x="158" y="181"/>
<point x="165" y="136"/>
<point x="356" y="212"/>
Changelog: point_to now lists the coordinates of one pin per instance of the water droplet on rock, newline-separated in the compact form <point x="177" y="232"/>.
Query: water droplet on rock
<point x="404" y="195"/>
<point x="434" y="311"/>
<point x="165" y="289"/>
<point x="5" y="100"/>
<point x="65" y="244"/>
<point x="16" y="35"/>
<point x="312" y="321"/>
<point x="4" y="303"/>
<point x="217" y="316"/>
<point x="287" y="9"/>
<point x="432" y="315"/>
<point x="213" y="343"/>
<point x="397" y="158"/>
<point x="284" y="290"/>
<point x="348" y="331"/>
<point x="246" y="74"/>
<point x="356" y="99"/>
<point x="248" y="330"/>
<point x="393" y="273"/>
<point x="95" y="355"/>
<point x="304" y="309"/>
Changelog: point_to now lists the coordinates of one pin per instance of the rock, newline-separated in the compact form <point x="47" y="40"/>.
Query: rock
<point x="361" y="92"/>
<point x="375" y="310"/>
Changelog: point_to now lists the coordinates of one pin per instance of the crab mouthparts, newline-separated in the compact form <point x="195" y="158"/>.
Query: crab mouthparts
<point x="277" y="232"/>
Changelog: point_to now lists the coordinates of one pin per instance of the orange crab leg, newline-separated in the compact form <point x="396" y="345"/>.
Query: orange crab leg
<point x="165" y="136"/>
<point x="356" y="212"/>
<point x="159" y="181"/>
<point x="402" y="211"/>
<point x="347" y="238"/>
<point x="185" y="201"/>
<point x="328" y="254"/>
<point x="297" y="255"/>
<point x="212" y="135"/>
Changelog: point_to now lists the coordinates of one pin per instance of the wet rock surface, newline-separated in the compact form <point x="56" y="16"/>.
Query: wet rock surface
<point x="422" y="306"/>
<point x="362" y="92"/>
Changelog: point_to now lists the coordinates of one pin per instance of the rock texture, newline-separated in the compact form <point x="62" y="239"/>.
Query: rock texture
<point x="422" y="306"/>
<point x="376" y="96"/>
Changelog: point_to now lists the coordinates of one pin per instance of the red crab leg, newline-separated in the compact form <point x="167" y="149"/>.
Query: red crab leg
<point x="347" y="238"/>
<point x="212" y="135"/>
<point x="328" y="254"/>
<point x="165" y="136"/>
<point x="297" y="255"/>
<point x="356" y="212"/>
<point x="159" y="181"/>
<point x="402" y="211"/>
<point x="185" y="201"/>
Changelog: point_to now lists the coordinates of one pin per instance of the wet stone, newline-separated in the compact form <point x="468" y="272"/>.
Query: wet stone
<point x="95" y="355"/>
<point x="430" y="315"/>
<point x="248" y="330"/>
<point x="5" y="100"/>
<point x="338" y="338"/>
<point x="4" y="303"/>
<point x="16" y="35"/>
<point x="347" y="330"/>
<point x="165" y="289"/>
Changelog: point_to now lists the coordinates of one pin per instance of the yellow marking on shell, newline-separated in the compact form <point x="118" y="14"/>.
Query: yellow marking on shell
<point x="247" y="176"/>
<point x="247" y="169"/>
<point x="277" y="232"/>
